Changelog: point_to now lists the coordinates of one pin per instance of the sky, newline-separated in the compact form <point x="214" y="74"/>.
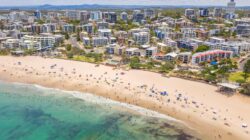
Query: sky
<point x="121" y="2"/>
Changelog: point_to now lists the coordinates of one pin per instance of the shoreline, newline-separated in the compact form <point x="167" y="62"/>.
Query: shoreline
<point x="102" y="100"/>
<point x="106" y="82"/>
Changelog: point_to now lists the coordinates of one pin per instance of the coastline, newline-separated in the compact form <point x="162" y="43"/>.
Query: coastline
<point x="106" y="82"/>
<point x="90" y="97"/>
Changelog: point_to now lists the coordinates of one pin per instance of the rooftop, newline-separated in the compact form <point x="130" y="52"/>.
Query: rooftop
<point x="228" y="85"/>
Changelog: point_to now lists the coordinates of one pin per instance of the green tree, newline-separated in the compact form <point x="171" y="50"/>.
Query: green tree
<point x="1" y="25"/>
<point x="202" y="48"/>
<point x="209" y="74"/>
<point x="246" y="88"/>
<point x="167" y="66"/>
<point x="40" y="21"/>
<point x="68" y="47"/>
<point x="70" y="55"/>
<point x="95" y="29"/>
<point x="74" y="22"/>
<point x="174" y="13"/>
<point x="97" y="57"/>
<point x="234" y="34"/>
<point x="167" y="50"/>
<point x="78" y="36"/>
<point x="246" y="70"/>
<point x="4" y="52"/>
<point x="77" y="51"/>
<point x="135" y="63"/>
<point x="66" y="36"/>
<point x="29" y="52"/>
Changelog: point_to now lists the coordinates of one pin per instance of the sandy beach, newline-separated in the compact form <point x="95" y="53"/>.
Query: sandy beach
<point x="212" y="114"/>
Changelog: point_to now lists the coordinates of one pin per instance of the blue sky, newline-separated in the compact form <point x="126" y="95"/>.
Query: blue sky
<point x="121" y="2"/>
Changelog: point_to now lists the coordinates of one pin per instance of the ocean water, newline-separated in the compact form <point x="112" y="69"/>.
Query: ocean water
<point x="30" y="112"/>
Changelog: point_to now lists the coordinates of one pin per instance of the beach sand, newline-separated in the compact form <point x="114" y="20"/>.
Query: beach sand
<point x="212" y="114"/>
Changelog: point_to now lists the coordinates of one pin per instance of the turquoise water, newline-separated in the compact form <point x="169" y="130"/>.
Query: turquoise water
<point x="29" y="112"/>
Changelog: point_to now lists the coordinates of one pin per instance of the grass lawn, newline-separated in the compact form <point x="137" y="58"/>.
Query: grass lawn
<point x="237" y="76"/>
<point x="84" y="59"/>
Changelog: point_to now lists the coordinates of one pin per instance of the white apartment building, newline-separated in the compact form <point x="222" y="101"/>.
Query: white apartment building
<point x="133" y="52"/>
<point x="95" y="15"/>
<point x="216" y="40"/>
<point x="99" y="41"/>
<point x="141" y="38"/>
<point x="243" y="29"/>
<point x="11" y="43"/>
<point x="68" y="28"/>
<point x="86" y="41"/>
<point x="188" y="32"/>
<point x="30" y="44"/>
<point x="184" y="57"/>
<point x="105" y="33"/>
<point x="152" y="51"/>
<point x="189" y="13"/>
<point x="210" y="56"/>
<point x="72" y="14"/>
<point x="236" y="47"/>
<point x="44" y="41"/>
<point x="169" y="42"/>
<point x="170" y="56"/>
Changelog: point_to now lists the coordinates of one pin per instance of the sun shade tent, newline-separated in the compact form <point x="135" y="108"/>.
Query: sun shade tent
<point x="227" y="87"/>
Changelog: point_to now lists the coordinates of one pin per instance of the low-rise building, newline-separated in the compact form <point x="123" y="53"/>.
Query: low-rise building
<point x="204" y="12"/>
<point x="169" y="42"/>
<point x="44" y="41"/>
<point x="11" y="43"/>
<point x="190" y="13"/>
<point x="170" y="56"/>
<point x="105" y="33"/>
<point x="68" y="28"/>
<point x="216" y="40"/>
<point x="187" y="44"/>
<point x="132" y="52"/>
<point x="184" y="57"/>
<point x="218" y="12"/>
<point x="115" y="49"/>
<point x="202" y="33"/>
<point x="96" y="15"/>
<point x="138" y="16"/>
<point x="88" y="28"/>
<point x="99" y="41"/>
<point x="236" y="47"/>
<point x="141" y="38"/>
<point x="188" y="32"/>
<point x="72" y="14"/>
<point x="102" y="25"/>
<point x="30" y="44"/>
<point x="243" y="29"/>
<point x="48" y="28"/>
<point x="124" y="16"/>
<point x="86" y="41"/>
<point x="212" y="55"/>
<point x="150" y="52"/>
<point x="149" y="13"/>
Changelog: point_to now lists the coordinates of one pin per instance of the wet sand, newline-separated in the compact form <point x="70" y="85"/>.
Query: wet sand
<point x="212" y="114"/>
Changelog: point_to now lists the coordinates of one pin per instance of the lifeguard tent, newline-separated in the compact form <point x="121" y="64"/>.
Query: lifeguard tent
<point x="228" y="87"/>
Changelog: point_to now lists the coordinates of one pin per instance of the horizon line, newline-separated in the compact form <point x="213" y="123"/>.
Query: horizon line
<point x="118" y="5"/>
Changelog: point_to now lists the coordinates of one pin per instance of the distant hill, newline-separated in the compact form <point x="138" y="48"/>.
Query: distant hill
<point x="96" y="6"/>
